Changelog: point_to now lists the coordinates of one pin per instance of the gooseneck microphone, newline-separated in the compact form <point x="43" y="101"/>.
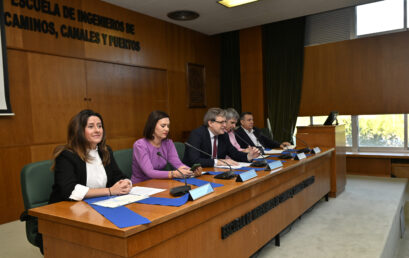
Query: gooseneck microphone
<point x="178" y="190"/>
<point x="306" y="149"/>
<point x="258" y="163"/>
<point x="225" y="175"/>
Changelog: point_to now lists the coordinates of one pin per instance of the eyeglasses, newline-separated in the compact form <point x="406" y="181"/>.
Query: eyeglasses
<point x="220" y="122"/>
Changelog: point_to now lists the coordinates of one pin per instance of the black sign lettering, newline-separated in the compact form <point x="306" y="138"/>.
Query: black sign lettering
<point x="67" y="31"/>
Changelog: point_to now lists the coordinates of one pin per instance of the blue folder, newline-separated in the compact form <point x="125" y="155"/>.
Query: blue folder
<point x="217" y="173"/>
<point x="249" y="168"/>
<point x="121" y="217"/>
<point x="166" y="201"/>
<point x="267" y="160"/>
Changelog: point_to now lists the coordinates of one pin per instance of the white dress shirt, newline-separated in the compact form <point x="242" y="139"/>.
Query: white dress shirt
<point x="253" y="138"/>
<point x="96" y="176"/>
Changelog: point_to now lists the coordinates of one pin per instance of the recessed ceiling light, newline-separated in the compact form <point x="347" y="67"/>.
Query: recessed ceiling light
<point x="183" y="15"/>
<point x="234" y="3"/>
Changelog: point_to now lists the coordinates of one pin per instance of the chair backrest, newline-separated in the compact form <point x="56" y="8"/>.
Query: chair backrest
<point x="37" y="180"/>
<point x="124" y="160"/>
<point x="180" y="148"/>
<point x="266" y="132"/>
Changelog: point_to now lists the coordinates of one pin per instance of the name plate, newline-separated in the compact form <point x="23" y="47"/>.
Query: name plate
<point x="275" y="170"/>
<point x="273" y="165"/>
<point x="315" y="150"/>
<point x="200" y="191"/>
<point x="246" y="176"/>
<point x="300" y="156"/>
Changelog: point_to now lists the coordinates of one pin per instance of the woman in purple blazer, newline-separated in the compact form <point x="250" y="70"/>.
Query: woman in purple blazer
<point x="151" y="153"/>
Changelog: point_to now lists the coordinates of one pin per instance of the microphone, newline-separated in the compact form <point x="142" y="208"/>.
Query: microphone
<point x="259" y="163"/>
<point x="306" y="149"/>
<point x="261" y="149"/>
<point x="224" y="175"/>
<point x="178" y="190"/>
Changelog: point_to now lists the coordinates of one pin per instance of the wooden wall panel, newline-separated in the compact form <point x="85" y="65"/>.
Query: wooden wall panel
<point x="121" y="143"/>
<point x="181" y="117"/>
<point x="251" y="69"/>
<point x="186" y="46"/>
<point x="361" y="76"/>
<point x="369" y="166"/>
<point x="44" y="42"/>
<point x="12" y="161"/>
<point x="57" y="90"/>
<point x="43" y="151"/>
<point x="125" y="95"/>
<point x="149" y="32"/>
<point x="17" y="129"/>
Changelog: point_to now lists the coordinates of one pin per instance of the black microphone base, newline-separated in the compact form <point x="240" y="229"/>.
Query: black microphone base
<point x="285" y="156"/>
<point x="259" y="163"/>
<point x="180" y="190"/>
<point x="225" y="175"/>
<point x="305" y="150"/>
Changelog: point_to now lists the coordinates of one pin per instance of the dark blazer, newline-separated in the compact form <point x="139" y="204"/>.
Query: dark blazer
<point x="200" y="138"/>
<point x="264" y="140"/>
<point x="70" y="170"/>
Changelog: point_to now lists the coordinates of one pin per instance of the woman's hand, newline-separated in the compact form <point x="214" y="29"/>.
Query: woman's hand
<point x="185" y="171"/>
<point x="121" y="187"/>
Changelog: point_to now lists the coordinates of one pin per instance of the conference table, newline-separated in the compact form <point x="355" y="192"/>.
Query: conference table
<point x="236" y="220"/>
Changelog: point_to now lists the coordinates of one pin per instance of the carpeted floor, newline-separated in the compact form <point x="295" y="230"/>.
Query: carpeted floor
<point x="355" y="224"/>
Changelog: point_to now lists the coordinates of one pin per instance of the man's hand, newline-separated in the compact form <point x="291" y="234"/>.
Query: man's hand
<point x="254" y="153"/>
<point x="284" y="145"/>
<point x="228" y="161"/>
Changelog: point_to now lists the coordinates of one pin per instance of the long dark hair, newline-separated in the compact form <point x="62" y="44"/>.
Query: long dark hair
<point x="76" y="141"/>
<point x="150" y="125"/>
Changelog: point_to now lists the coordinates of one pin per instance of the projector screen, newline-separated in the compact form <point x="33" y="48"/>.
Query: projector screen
<point x="5" y="108"/>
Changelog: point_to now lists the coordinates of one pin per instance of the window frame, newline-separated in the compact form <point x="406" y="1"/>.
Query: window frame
<point x="355" y="138"/>
<point x="405" y="25"/>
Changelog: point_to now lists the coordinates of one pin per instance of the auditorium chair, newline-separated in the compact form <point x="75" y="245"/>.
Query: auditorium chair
<point x="265" y="131"/>
<point x="36" y="185"/>
<point x="124" y="160"/>
<point x="180" y="148"/>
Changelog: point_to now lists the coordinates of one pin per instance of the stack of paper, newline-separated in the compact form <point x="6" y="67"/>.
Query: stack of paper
<point x="120" y="200"/>
<point x="136" y="194"/>
<point x="140" y="190"/>
<point x="272" y="151"/>
<point x="240" y="164"/>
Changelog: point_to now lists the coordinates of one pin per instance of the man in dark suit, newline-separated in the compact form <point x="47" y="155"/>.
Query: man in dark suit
<point x="212" y="139"/>
<point x="247" y="134"/>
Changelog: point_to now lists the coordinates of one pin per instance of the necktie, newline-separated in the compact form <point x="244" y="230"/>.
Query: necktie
<point x="214" y="147"/>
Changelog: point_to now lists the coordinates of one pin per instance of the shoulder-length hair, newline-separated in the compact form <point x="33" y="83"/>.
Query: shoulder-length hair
<point x="150" y="125"/>
<point x="76" y="141"/>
